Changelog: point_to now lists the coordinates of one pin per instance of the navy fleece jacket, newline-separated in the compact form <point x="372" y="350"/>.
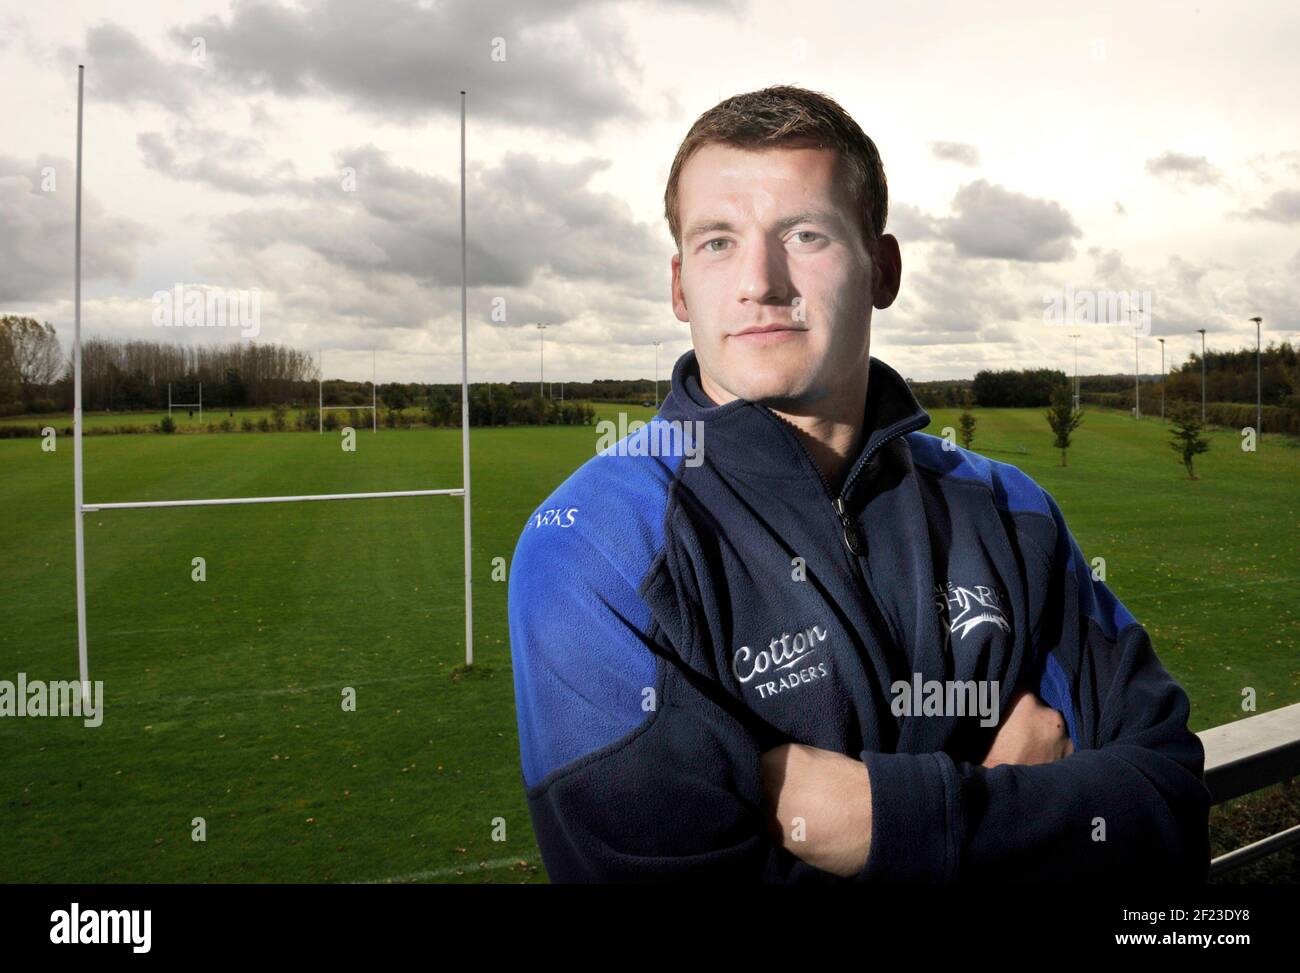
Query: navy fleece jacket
<point x="694" y="595"/>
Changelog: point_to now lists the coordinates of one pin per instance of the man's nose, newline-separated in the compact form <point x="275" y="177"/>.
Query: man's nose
<point x="764" y="274"/>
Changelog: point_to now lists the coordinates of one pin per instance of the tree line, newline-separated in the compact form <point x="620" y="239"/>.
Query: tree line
<point x="132" y="375"/>
<point x="1229" y="381"/>
<point x="128" y="375"/>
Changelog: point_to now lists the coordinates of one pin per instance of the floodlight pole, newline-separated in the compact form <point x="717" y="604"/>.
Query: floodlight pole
<point x="78" y="482"/>
<point x="1137" y="380"/>
<point x="1076" y="371"/>
<point x="464" y="401"/>
<point x="541" y="361"/>
<point x="1162" y="378"/>
<point x="1201" y="332"/>
<point x="1259" y="401"/>
<point x="657" y="344"/>
<point x="374" y="393"/>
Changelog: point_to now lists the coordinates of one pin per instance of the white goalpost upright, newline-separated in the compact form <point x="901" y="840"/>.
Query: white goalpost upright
<point x="322" y="408"/>
<point x="185" y="405"/>
<point x="77" y="488"/>
<point x="82" y="507"/>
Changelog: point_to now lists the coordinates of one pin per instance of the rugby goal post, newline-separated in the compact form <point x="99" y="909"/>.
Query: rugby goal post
<point x="322" y="408"/>
<point x="184" y="405"/>
<point x="78" y="466"/>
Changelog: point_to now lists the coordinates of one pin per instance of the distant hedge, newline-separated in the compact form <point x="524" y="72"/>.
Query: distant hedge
<point x="1231" y="415"/>
<point x="443" y="415"/>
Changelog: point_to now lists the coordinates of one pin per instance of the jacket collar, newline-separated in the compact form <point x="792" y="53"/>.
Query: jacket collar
<point x="749" y="438"/>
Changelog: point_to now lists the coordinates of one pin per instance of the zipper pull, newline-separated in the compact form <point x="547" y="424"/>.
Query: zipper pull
<point x="851" y="539"/>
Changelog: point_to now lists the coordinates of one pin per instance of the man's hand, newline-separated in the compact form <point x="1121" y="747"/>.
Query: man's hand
<point x="819" y="806"/>
<point x="819" y="801"/>
<point x="1031" y="732"/>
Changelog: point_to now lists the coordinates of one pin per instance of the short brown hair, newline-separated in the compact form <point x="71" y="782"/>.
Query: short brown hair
<point x="785" y="115"/>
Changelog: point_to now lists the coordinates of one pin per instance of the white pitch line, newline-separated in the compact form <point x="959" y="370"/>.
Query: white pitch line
<point x="1208" y="587"/>
<point x="283" y="691"/>
<point x="461" y="871"/>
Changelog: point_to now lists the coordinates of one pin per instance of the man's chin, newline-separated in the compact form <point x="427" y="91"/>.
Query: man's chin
<point x="775" y="392"/>
<point x="767" y="376"/>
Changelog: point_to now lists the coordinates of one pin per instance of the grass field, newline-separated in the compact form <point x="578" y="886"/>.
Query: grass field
<point x="223" y="697"/>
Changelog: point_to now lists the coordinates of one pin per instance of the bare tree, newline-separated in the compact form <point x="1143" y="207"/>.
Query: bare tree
<point x="34" y="349"/>
<point x="9" y="384"/>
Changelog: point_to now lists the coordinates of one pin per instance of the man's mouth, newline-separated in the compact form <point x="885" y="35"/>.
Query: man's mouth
<point x="767" y="334"/>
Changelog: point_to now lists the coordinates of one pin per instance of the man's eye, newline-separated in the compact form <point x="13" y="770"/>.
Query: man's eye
<point x="808" y="233"/>
<point x="709" y="245"/>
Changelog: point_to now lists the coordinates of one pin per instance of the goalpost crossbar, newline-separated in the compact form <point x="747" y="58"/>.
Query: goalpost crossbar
<point x="230" y="501"/>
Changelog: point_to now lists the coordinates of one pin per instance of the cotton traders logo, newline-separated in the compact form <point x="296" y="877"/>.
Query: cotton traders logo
<point x="774" y="667"/>
<point x="964" y="609"/>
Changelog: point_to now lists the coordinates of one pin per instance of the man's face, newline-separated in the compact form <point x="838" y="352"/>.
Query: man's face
<point x="770" y="237"/>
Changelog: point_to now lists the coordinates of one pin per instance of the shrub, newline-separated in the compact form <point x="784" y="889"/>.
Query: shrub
<point x="1063" y="418"/>
<point x="168" y="424"/>
<point x="966" y="426"/>
<point x="1186" y="439"/>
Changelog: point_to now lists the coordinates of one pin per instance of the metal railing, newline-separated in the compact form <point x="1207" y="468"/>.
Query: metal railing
<point x="1245" y="756"/>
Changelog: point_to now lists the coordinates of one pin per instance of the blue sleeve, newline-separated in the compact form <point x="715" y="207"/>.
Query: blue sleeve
<point x="1129" y="802"/>
<point x="636" y="768"/>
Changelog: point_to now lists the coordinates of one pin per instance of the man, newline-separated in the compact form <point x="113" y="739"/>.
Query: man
<point x="727" y="630"/>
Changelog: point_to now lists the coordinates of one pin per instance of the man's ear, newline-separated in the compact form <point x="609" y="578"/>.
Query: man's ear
<point x="888" y="264"/>
<point x="679" y="299"/>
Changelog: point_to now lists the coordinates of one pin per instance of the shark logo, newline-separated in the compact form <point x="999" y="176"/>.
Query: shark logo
<point x="964" y="609"/>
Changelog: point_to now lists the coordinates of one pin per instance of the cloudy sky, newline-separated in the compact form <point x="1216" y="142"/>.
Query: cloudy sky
<point x="310" y="151"/>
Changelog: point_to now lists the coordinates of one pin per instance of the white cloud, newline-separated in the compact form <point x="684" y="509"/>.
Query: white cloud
<point x="228" y="172"/>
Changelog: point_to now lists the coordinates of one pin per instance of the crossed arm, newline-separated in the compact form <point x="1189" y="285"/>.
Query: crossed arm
<point x="818" y="801"/>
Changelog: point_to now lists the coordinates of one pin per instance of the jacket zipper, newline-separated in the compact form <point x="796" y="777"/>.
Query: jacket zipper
<point x="850" y="535"/>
